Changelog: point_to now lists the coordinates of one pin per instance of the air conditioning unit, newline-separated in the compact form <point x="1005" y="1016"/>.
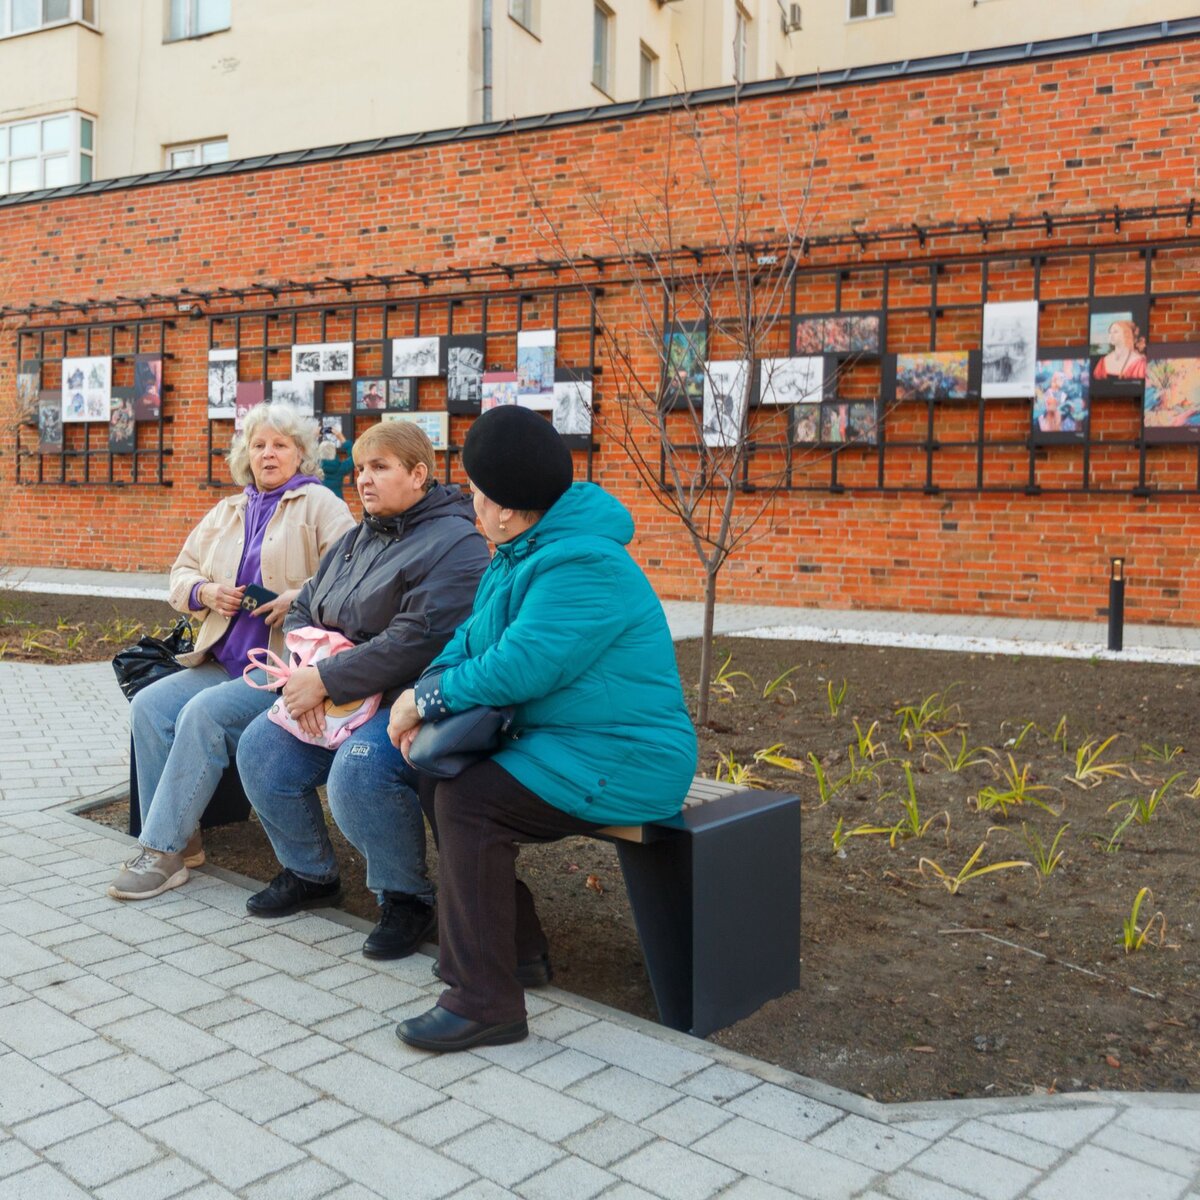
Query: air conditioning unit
<point x="789" y="18"/>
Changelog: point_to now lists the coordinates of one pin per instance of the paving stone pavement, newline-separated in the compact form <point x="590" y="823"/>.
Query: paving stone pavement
<point x="181" y="1049"/>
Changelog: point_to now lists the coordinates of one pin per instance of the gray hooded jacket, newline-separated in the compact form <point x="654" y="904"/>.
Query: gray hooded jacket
<point x="397" y="587"/>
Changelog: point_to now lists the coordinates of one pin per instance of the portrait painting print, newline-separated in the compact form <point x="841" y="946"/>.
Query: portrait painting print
<point x="414" y="357"/>
<point x="29" y="380"/>
<point x="1009" y="349"/>
<point x="122" y="432"/>
<point x="535" y="362"/>
<point x="1060" y="402"/>
<point x="1117" y="344"/>
<point x="791" y="380"/>
<point x="1171" y="405"/>
<point x="500" y="387"/>
<point x="222" y="385"/>
<point x="370" y="395"/>
<point x="725" y="399"/>
<point x="572" y="415"/>
<point x="147" y="387"/>
<point x="806" y="424"/>
<point x="87" y="389"/>
<point x="685" y="349"/>
<point x="934" y="375"/>
<point x="50" y="429"/>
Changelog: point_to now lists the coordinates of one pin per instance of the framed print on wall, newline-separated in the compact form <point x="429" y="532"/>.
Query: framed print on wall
<point x="435" y="424"/>
<point x="323" y="360"/>
<point x="414" y="357"/>
<point x="724" y="401"/>
<point x="1060" y="403"/>
<point x="222" y="385"/>
<point x="1171" y="405"/>
<point x="1009" y="349"/>
<point x="838" y="333"/>
<point x="791" y="380"/>
<point x="685" y="351"/>
<point x="147" y="387"/>
<point x="1117" y="344"/>
<point x="86" y="389"/>
<point x="500" y="387"/>
<point x="572" y="415"/>
<point x="929" y="375"/>
<point x="462" y="365"/>
<point x="50" y="427"/>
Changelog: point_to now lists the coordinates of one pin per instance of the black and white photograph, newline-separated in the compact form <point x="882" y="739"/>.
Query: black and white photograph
<point x="463" y="367"/>
<point x="572" y="413"/>
<point x="1009" y="349"/>
<point x="300" y="393"/>
<point x="323" y="360"/>
<point x="791" y="380"/>
<point x="222" y="385"/>
<point x="122" y="432"/>
<point x="29" y="379"/>
<point x="87" y="389"/>
<point x="50" y="429"/>
<point x="435" y="424"/>
<point x="724" y="401"/>
<point x="415" y="357"/>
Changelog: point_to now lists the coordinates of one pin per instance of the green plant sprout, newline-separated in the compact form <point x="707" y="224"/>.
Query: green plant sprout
<point x="963" y="757"/>
<point x="1160" y="754"/>
<point x="917" y="719"/>
<point x="867" y="746"/>
<point x="1090" y="772"/>
<point x="780" y="684"/>
<point x="1137" y="939"/>
<point x="1142" y="810"/>
<point x="827" y="788"/>
<point x="723" y="678"/>
<point x="773" y="758"/>
<point x="968" y="870"/>
<point x="1017" y="792"/>
<point x="1015" y="742"/>
<point x="731" y="771"/>
<point x="911" y="825"/>
<point x="836" y="697"/>
<point x="1059" y="736"/>
<point x="1046" y="860"/>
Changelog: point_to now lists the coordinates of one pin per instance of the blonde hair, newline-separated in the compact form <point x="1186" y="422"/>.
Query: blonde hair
<point x="284" y="419"/>
<point x="408" y="442"/>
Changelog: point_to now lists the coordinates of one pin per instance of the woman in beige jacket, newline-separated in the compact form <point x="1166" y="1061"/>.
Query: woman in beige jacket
<point x="186" y="726"/>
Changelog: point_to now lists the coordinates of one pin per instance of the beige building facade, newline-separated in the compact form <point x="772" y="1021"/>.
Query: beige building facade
<point x="95" y="89"/>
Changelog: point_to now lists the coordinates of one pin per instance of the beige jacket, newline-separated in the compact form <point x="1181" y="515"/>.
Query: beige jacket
<point x="306" y="523"/>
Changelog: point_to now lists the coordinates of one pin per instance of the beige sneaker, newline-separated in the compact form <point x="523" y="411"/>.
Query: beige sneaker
<point x="193" y="852"/>
<point x="150" y="874"/>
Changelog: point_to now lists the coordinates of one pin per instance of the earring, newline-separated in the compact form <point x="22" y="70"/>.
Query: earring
<point x="503" y="527"/>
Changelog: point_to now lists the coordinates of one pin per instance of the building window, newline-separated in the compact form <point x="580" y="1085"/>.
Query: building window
<point x="602" y="34"/>
<point x="741" y="42"/>
<point x="647" y="73"/>
<point x="197" y="154"/>
<point x="47" y="152"/>
<point x="195" y="18"/>
<point x="525" y="13"/>
<point x="860" y="9"/>
<point x="24" y="16"/>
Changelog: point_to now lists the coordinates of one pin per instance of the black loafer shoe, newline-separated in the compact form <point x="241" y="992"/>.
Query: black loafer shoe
<point x="440" y="1030"/>
<point x="533" y="973"/>
<point x="288" y="893"/>
<point x="404" y="923"/>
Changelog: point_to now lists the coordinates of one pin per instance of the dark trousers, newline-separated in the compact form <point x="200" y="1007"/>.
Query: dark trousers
<point x="486" y="918"/>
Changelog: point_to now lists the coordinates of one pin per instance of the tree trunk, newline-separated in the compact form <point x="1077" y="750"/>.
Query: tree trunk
<point x="706" y="647"/>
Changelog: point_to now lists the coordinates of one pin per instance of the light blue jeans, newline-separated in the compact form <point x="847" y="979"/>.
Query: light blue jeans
<point x="371" y="795"/>
<point x="185" y="731"/>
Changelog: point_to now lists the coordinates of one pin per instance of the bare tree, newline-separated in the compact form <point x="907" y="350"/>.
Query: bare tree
<point x="690" y="355"/>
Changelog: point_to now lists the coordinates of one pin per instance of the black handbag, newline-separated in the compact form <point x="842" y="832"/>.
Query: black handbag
<point x="150" y="658"/>
<point x="448" y="747"/>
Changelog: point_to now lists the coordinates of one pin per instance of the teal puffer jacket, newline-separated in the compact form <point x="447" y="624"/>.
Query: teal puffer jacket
<point x="566" y="628"/>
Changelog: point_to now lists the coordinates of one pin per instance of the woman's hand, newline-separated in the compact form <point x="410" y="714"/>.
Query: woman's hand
<point x="225" y="601"/>
<point x="304" y="691"/>
<point x="404" y="721"/>
<point x="275" y="610"/>
<point x="312" y="721"/>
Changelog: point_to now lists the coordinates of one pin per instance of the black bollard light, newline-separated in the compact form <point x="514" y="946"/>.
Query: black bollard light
<point x="1116" y="605"/>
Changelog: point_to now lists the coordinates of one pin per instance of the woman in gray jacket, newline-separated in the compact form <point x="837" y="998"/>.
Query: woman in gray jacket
<point x="397" y="585"/>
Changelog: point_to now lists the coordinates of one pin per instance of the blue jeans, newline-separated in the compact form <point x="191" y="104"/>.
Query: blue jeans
<point x="185" y="730"/>
<point x="371" y="796"/>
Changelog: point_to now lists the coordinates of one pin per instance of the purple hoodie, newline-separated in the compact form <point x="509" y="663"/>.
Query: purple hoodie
<point x="248" y="631"/>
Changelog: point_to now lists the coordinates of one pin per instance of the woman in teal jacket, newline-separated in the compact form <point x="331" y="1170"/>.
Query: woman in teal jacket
<point x="567" y="630"/>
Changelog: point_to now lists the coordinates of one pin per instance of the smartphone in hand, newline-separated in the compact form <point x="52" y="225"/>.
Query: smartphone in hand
<point x="255" y="595"/>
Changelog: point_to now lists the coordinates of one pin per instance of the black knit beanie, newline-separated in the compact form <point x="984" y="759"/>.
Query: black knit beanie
<point x="517" y="459"/>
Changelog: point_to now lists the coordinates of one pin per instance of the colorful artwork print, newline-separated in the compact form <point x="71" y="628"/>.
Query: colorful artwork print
<point x="323" y="360"/>
<point x="1060" y="403"/>
<point x="301" y="394"/>
<point x="839" y="333"/>
<point x="122" y="432"/>
<point x="249" y="395"/>
<point x="50" y="428"/>
<point x="806" y="424"/>
<point x="1118" y="344"/>
<point x="724" y="401"/>
<point x="842" y="424"/>
<point x="222" y="385"/>
<point x="572" y="415"/>
<point x="791" y="380"/>
<point x="435" y="424"/>
<point x="535" y="362"/>
<point x="370" y="395"/>
<point x="414" y="357"/>
<point x="936" y="375"/>
<point x="500" y="387"/>
<point x="29" y="380"/>
<point x="1171" y="407"/>
<point x="685" y="348"/>
<point x="87" y="389"/>
<point x="147" y="387"/>
<point x="1009" y="349"/>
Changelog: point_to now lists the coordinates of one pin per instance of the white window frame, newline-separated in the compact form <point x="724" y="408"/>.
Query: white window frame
<point x="875" y="8"/>
<point x="527" y="14"/>
<point x="741" y="43"/>
<point x="602" y="48"/>
<point x="192" y="28"/>
<point x="647" y="73"/>
<point x="74" y="152"/>
<point x="198" y="149"/>
<point x="75" y="16"/>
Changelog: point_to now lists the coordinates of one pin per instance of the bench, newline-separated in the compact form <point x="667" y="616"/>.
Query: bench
<point x="715" y="893"/>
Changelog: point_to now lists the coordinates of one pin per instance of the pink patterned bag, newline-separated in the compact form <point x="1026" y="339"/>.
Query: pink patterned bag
<point x="308" y="646"/>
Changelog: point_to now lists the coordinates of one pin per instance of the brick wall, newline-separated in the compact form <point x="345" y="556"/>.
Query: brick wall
<point x="1064" y="135"/>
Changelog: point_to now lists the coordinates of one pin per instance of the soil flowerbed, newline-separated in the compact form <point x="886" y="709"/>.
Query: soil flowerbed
<point x="1018" y="981"/>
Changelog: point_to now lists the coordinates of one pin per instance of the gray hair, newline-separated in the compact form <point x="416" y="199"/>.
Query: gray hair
<point x="283" y="418"/>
